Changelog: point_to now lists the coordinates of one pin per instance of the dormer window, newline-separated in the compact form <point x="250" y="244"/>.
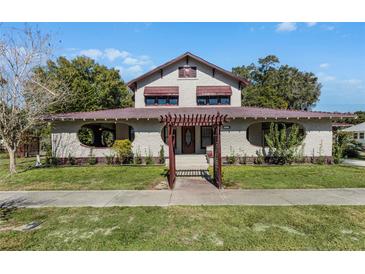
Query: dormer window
<point x="187" y="72"/>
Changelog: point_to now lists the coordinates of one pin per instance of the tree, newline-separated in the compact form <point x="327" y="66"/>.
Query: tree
<point x="24" y="97"/>
<point x="92" y="86"/>
<point x="275" y="86"/>
<point x="360" y="118"/>
<point x="345" y="146"/>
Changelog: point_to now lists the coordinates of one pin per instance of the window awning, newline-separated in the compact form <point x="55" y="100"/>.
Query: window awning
<point x="213" y="90"/>
<point x="161" y="91"/>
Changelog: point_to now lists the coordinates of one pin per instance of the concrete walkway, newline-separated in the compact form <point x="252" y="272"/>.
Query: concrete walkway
<point x="354" y="162"/>
<point x="187" y="191"/>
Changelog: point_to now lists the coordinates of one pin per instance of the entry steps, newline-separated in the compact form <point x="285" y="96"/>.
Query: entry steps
<point x="191" y="162"/>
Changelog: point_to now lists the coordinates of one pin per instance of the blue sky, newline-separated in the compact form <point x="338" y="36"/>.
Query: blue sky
<point x="335" y="52"/>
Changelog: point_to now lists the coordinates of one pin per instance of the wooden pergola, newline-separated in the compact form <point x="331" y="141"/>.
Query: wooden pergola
<point x="178" y="120"/>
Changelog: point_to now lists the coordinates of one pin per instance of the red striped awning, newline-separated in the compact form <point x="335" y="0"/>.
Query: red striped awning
<point x="213" y="90"/>
<point x="161" y="91"/>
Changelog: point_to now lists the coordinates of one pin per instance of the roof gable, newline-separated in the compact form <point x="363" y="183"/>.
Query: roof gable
<point x="243" y="81"/>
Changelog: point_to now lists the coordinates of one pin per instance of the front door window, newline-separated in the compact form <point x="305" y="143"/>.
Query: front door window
<point x="188" y="137"/>
<point x="188" y="140"/>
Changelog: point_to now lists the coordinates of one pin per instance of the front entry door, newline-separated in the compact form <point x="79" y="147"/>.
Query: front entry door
<point x="188" y="140"/>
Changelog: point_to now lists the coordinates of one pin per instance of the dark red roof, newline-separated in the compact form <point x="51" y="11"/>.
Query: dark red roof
<point x="190" y="55"/>
<point x="156" y="91"/>
<point x="213" y="90"/>
<point x="232" y="112"/>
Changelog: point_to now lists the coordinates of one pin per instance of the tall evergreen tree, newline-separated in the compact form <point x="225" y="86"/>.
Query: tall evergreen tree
<point x="278" y="86"/>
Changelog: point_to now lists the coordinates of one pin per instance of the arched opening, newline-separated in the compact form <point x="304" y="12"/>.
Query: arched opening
<point x="256" y="132"/>
<point x="104" y="134"/>
<point x="164" y="135"/>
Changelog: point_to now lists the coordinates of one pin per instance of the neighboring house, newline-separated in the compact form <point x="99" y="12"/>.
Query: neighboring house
<point x="191" y="90"/>
<point x="339" y="126"/>
<point x="358" y="132"/>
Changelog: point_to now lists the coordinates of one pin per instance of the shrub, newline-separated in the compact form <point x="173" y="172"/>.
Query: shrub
<point x="321" y="159"/>
<point x="231" y="159"/>
<point x="283" y="143"/>
<point x="161" y="155"/>
<point x="243" y="159"/>
<point x="138" y="158"/>
<point x="149" y="158"/>
<point x="54" y="161"/>
<point x="92" y="160"/>
<point x="71" y="160"/>
<point x="123" y="148"/>
<point x="110" y="159"/>
<point x="260" y="159"/>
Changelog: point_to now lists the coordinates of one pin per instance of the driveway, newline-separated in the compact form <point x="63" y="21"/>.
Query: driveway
<point x="187" y="191"/>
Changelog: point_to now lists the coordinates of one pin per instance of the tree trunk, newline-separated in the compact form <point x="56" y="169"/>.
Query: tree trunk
<point x="12" y="162"/>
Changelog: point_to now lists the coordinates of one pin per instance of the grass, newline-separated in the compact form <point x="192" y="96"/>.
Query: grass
<point x="187" y="228"/>
<point x="295" y="176"/>
<point x="79" y="177"/>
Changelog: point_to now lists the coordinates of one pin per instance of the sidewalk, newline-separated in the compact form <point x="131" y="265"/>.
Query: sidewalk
<point x="186" y="192"/>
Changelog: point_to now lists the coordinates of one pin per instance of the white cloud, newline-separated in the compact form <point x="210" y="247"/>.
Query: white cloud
<point x="311" y="24"/>
<point x="324" y="65"/>
<point x="323" y="77"/>
<point x="132" y="65"/>
<point x="92" y="53"/>
<point x="113" y="54"/>
<point x="328" y="78"/>
<point x="353" y="83"/>
<point x="286" y="26"/>
<point x="139" y="60"/>
<point x="330" y="28"/>
<point x="130" y="61"/>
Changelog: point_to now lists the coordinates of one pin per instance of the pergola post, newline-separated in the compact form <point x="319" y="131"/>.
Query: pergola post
<point x="217" y="160"/>
<point x="172" y="166"/>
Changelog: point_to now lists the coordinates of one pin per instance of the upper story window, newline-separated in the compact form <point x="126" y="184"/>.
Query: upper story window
<point x="161" y="100"/>
<point x="213" y="100"/>
<point x="187" y="72"/>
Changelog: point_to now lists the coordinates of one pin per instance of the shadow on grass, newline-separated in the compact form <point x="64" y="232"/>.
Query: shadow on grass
<point x="7" y="208"/>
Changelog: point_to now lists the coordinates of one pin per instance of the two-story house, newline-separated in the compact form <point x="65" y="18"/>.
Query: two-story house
<point x="188" y="89"/>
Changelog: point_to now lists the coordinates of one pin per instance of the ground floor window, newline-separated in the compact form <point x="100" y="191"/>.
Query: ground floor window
<point x="161" y="100"/>
<point x="206" y="135"/>
<point x="213" y="100"/>
<point x="97" y="135"/>
<point x="256" y="132"/>
<point x="361" y="135"/>
<point x="355" y="135"/>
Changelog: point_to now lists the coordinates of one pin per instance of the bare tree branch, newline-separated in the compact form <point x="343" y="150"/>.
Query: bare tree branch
<point x="24" y="96"/>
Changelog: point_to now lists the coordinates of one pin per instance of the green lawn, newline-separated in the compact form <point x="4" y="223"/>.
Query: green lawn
<point x="295" y="176"/>
<point x="187" y="228"/>
<point x="146" y="177"/>
<point x="75" y="177"/>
